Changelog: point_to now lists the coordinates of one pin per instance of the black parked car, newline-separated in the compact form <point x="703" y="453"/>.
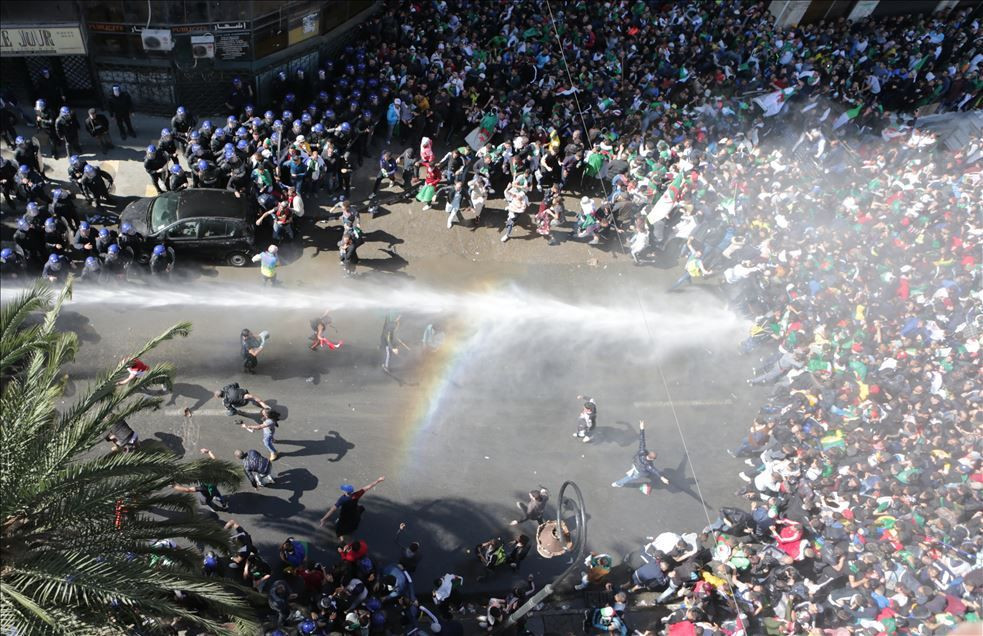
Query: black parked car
<point x="199" y="222"/>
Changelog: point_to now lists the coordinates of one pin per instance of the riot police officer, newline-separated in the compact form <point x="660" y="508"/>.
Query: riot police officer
<point x="63" y="206"/>
<point x="44" y="118"/>
<point x="182" y="123"/>
<point x="96" y="182"/>
<point x="67" y="129"/>
<point x="177" y="180"/>
<point x="155" y="163"/>
<point x="167" y="145"/>
<point x="56" y="268"/>
<point x="162" y="260"/>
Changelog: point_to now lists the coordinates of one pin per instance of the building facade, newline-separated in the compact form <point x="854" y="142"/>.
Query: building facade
<point x="791" y="12"/>
<point x="168" y="52"/>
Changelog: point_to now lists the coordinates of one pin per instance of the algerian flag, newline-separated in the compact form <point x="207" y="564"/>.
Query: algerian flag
<point x="663" y="206"/>
<point x="772" y="103"/>
<point x="891" y="132"/>
<point x="847" y="116"/>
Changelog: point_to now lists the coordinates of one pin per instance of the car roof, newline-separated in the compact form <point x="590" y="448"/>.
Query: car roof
<point x="199" y="202"/>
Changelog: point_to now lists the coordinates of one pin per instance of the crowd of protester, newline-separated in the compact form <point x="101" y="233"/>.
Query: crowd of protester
<point x="785" y="164"/>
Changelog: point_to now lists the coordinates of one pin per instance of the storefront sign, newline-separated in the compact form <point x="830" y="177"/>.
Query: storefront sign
<point x="63" y="40"/>
<point x="232" y="46"/>
<point x="310" y="26"/>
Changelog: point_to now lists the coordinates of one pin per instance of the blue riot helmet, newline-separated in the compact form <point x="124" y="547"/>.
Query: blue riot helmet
<point x="359" y="82"/>
<point x="308" y="626"/>
<point x="277" y="125"/>
<point x="219" y="134"/>
<point x="194" y="136"/>
<point x="89" y="169"/>
<point x="159" y="250"/>
<point x="349" y="69"/>
<point x="23" y="224"/>
<point x="328" y="65"/>
<point x="323" y="96"/>
<point x="373" y="99"/>
<point x="329" y="114"/>
<point x="126" y="228"/>
<point x="372" y="82"/>
<point x="282" y="75"/>
<point x="345" y="127"/>
<point x="32" y="209"/>
<point x="242" y="145"/>
<point x="103" y="233"/>
<point x="339" y="99"/>
<point x="318" y="128"/>
<point x="289" y="98"/>
<point x="356" y="94"/>
<point x="228" y="147"/>
<point x="269" y="116"/>
<point x="353" y="105"/>
<point x="56" y="194"/>
<point x="91" y="261"/>
<point x="84" y="226"/>
<point x="249" y="109"/>
<point x="73" y="160"/>
<point x="241" y="131"/>
<point x="236" y="81"/>
<point x="206" y="125"/>
<point x="306" y="118"/>
<point x="342" y="84"/>
<point x="40" y="104"/>
<point x="20" y="140"/>
<point x="24" y="169"/>
<point x="54" y="260"/>
<point x="113" y="249"/>
<point x="181" y="112"/>
<point x="202" y="165"/>
<point x="360" y="68"/>
<point x="176" y="170"/>
<point x="296" y="125"/>
<point x="6" y="253"/>
<point x="64" y="111"/>
<point x="196" y="149"/>
<point x="384" y="90"/>
<point x="165" y="133"/>
<point x="50" y="225"/>
<point x="367" y="114"/>
<point x="231" y="120"/>
<point x="256" y="122"/>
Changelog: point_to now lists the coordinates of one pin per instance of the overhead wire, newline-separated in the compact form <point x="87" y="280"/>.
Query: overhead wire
<point x="645" y="320"/>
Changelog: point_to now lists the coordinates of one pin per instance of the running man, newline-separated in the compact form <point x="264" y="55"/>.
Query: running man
<point x="349" y="509"/>
<point x="136" y="368"/>
<point x="642" y="466"/>
<point x="389" y="339"/>
<point x="587" y="420"/>
<point x="320" y="325"/>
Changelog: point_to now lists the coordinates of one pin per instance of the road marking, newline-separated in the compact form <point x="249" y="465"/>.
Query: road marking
<point x="667" y="403"/>
<point x="198" y="412"/>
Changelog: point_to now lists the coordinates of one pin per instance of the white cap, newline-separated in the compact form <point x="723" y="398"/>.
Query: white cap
<point x="300" y="139"/>
<point x="397" y="101"/>
<point x="272" y="249"/>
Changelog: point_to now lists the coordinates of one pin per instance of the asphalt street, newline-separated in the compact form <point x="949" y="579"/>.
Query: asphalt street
<point x="463" y="431"/>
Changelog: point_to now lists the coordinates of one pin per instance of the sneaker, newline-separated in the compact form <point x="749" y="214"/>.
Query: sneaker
<point x="578" y="435"/>
<point x="615" y="484"/>
<point x="645" y="489"/>
<point x="274" y="456"/>
<point x="505" y="237"/>
<point x="586" y="439"/>
<point x="580" y="586"/>
<point x="744" y="477"/>
<point x="665" y="480"/>
<point x="749" y="463"/>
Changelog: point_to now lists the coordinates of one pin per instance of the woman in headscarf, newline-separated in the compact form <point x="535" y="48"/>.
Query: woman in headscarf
<point x="426" y="150"/>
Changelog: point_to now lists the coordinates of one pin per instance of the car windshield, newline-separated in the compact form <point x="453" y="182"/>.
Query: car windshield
<point x="163" y="212"/>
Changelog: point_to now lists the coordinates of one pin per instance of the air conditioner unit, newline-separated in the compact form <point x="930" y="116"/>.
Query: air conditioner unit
<point x="156" y="39"/>
<point x="203" y="45"/>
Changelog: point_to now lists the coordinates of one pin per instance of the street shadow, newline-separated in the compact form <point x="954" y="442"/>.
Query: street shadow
<point x="194" y="392"/>
<point x="172" y="443"/>
<point x="298" y="480"/>
<point x="76" y="322"/>
<point x="250" y="502"/>
<point x="391" y="266"/>
<point x="333" y="446"/>
<point x="680" y="482"/>
<point x="624" y="435"/>
<point x="382" y="236"/>
<point x="279" y="408"/>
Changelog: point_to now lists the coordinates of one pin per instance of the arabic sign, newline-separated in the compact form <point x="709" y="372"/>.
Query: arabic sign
<point x="62" y="40"/>
<point x="103" y="27"/>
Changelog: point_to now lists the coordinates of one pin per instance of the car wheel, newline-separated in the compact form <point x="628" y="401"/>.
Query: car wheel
<point x="237" y="259"/>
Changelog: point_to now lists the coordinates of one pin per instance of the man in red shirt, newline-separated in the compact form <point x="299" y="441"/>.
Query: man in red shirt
<point x="135" y="369"/>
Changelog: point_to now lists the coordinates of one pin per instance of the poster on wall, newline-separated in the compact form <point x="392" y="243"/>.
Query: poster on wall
<point x="231" y="46"/>
<point x="20" y="42"/>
